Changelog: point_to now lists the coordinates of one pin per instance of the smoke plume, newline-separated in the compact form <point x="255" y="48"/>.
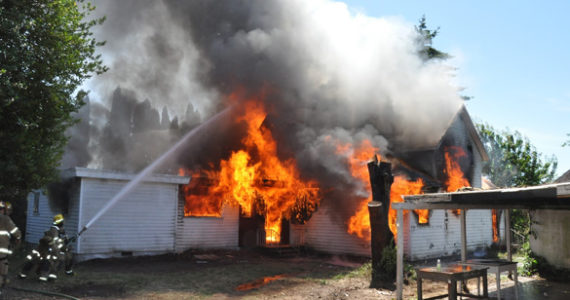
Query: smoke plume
<point x="325" y="72"/>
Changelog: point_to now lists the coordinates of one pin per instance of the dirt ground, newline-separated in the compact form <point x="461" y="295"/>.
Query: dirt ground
<point x="221" y="275"/>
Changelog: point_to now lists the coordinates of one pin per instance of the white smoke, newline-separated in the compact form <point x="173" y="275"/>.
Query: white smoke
<point x="331" y="72"/>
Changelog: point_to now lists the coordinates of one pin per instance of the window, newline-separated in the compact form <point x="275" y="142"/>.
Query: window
<point x="36" y="203"/>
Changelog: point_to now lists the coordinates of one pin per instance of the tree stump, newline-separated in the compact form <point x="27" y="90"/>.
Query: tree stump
<point x="381" y="240"/>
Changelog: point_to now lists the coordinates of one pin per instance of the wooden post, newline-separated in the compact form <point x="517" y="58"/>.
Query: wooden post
<point x="377" y="243"/>
<point x="380" y="236"/>
<point x="508" y="233"/>
<point x="463" y="220"/>
<point x="400" y="254"/>
<point x="463" y="236"/>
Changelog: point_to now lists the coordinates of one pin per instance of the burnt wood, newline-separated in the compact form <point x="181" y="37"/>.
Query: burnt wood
<point x="381" y="180"/>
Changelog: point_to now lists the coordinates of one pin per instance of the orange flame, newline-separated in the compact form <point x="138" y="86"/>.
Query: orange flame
<point x="255" y="179"/>
<point x="358" y="158"/>
<point x="359" y="223"/>
<point x="495" y="225"/>
<point x="258" y="283"/>
<point x="455" y="177"/>
<point x="400" y="187"/>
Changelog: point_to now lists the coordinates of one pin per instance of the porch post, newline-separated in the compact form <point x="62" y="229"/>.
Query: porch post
<point x="463" y="236"/>
<point x="400" y="254"/>
<point x="508" y="233"/>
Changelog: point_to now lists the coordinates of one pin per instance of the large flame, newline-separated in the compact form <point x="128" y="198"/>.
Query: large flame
<point x="494" y="214"/>
<point x="455" y="177"/>
<point x="358" y="157"/>
<point x="256" y="179"/>
<point x="402" y="186"/>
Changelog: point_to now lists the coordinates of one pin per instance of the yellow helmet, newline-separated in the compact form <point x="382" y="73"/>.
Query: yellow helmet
<point x="57" y="219"/>
<point x="8" y="208"/>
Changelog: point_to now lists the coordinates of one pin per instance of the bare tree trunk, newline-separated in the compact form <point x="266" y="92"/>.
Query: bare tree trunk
<point x="381" y="180"/>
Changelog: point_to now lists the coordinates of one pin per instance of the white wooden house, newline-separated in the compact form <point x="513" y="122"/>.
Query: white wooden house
<point x="150" y="219"/>
<point x="441" y="236"/>
<point x="143" y="222"/>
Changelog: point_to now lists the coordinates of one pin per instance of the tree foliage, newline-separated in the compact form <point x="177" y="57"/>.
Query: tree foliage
<point x="513" y="160"/>
<point x="47" y="51"/>
<point x="425" y="39"/>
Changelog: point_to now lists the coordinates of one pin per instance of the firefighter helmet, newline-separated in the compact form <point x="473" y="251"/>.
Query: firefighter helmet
<point x="57" y="219"/>
<point x="8" y="208"/>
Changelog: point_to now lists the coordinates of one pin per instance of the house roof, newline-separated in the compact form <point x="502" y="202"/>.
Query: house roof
<point x="552" y="196"/>
<point x="564" y="178"/>
<point x="471" y="131"/>
<point x="116" y="175"/>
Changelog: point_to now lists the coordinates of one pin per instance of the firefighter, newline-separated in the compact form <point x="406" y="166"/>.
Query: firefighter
<point x="60" y="248"/>
<point x="39" y="259"/>
<point x="9" y="238"/>
<point x="51" y="252"/>
<point x="63" y="247"/>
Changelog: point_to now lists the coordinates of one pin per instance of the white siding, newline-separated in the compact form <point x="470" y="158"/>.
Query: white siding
<point x="208" y="232"/>
<point x="442" y="236"/>
<point x="322" y="233"/>
<point x="38" y="223"/>
<point x="72" y="216"/>
<point x="479" y="228"/>
<point x="143" y="221"/>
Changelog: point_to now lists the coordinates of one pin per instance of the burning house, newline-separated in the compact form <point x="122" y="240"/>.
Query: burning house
<point x="286" y="211"/>
<point x="254" y="199"/>
<point x="313" y="91"/>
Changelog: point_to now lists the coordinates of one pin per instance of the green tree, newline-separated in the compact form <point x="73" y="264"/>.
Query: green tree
<point x="567" y="143"/>
<point x="425" y="50"/>
<point x="47" y="50"/>
<point x="425" y="39"/>
<point x="513" y="160"/>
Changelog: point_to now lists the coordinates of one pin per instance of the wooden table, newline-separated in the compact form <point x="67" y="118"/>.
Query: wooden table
<point x="451" y="274"/>
<point x="496" y="266"/>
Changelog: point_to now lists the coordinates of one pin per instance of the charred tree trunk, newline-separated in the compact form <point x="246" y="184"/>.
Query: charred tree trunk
<point x="382" y="243"/>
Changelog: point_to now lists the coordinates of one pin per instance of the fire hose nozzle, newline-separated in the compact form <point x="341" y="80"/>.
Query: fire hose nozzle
<point x="82" y="230"/>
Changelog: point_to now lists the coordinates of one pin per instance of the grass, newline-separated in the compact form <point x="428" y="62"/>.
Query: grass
<point x="170" y="276"/>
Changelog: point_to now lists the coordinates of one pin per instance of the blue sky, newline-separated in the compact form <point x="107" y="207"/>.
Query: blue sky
<point x="512" y="58"/>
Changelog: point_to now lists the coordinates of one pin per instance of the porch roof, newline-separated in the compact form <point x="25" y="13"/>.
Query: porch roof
<point x="552" y="196"/>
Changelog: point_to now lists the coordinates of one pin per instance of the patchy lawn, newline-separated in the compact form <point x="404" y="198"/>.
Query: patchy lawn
<point x="221" y="275"/>
<point x="210" y="275"/>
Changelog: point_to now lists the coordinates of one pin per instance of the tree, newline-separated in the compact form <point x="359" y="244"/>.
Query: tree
<point x="567" y="143"/>
<point x="425" y="38"/>
<point x="47" y="52"/>
<point x="513" y="160"/>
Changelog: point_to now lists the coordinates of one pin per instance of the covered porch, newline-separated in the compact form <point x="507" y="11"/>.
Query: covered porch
<point x="554" y="196"/>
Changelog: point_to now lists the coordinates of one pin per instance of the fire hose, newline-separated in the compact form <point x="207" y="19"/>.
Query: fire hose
<point x="44" y="293"/>
<point x="126" y="189"/>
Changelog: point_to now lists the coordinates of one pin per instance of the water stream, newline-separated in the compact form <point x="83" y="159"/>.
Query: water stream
<point x="148" y="170"/>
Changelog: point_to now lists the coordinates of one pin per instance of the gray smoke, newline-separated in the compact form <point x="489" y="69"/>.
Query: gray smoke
<point x="327" y="75"/>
